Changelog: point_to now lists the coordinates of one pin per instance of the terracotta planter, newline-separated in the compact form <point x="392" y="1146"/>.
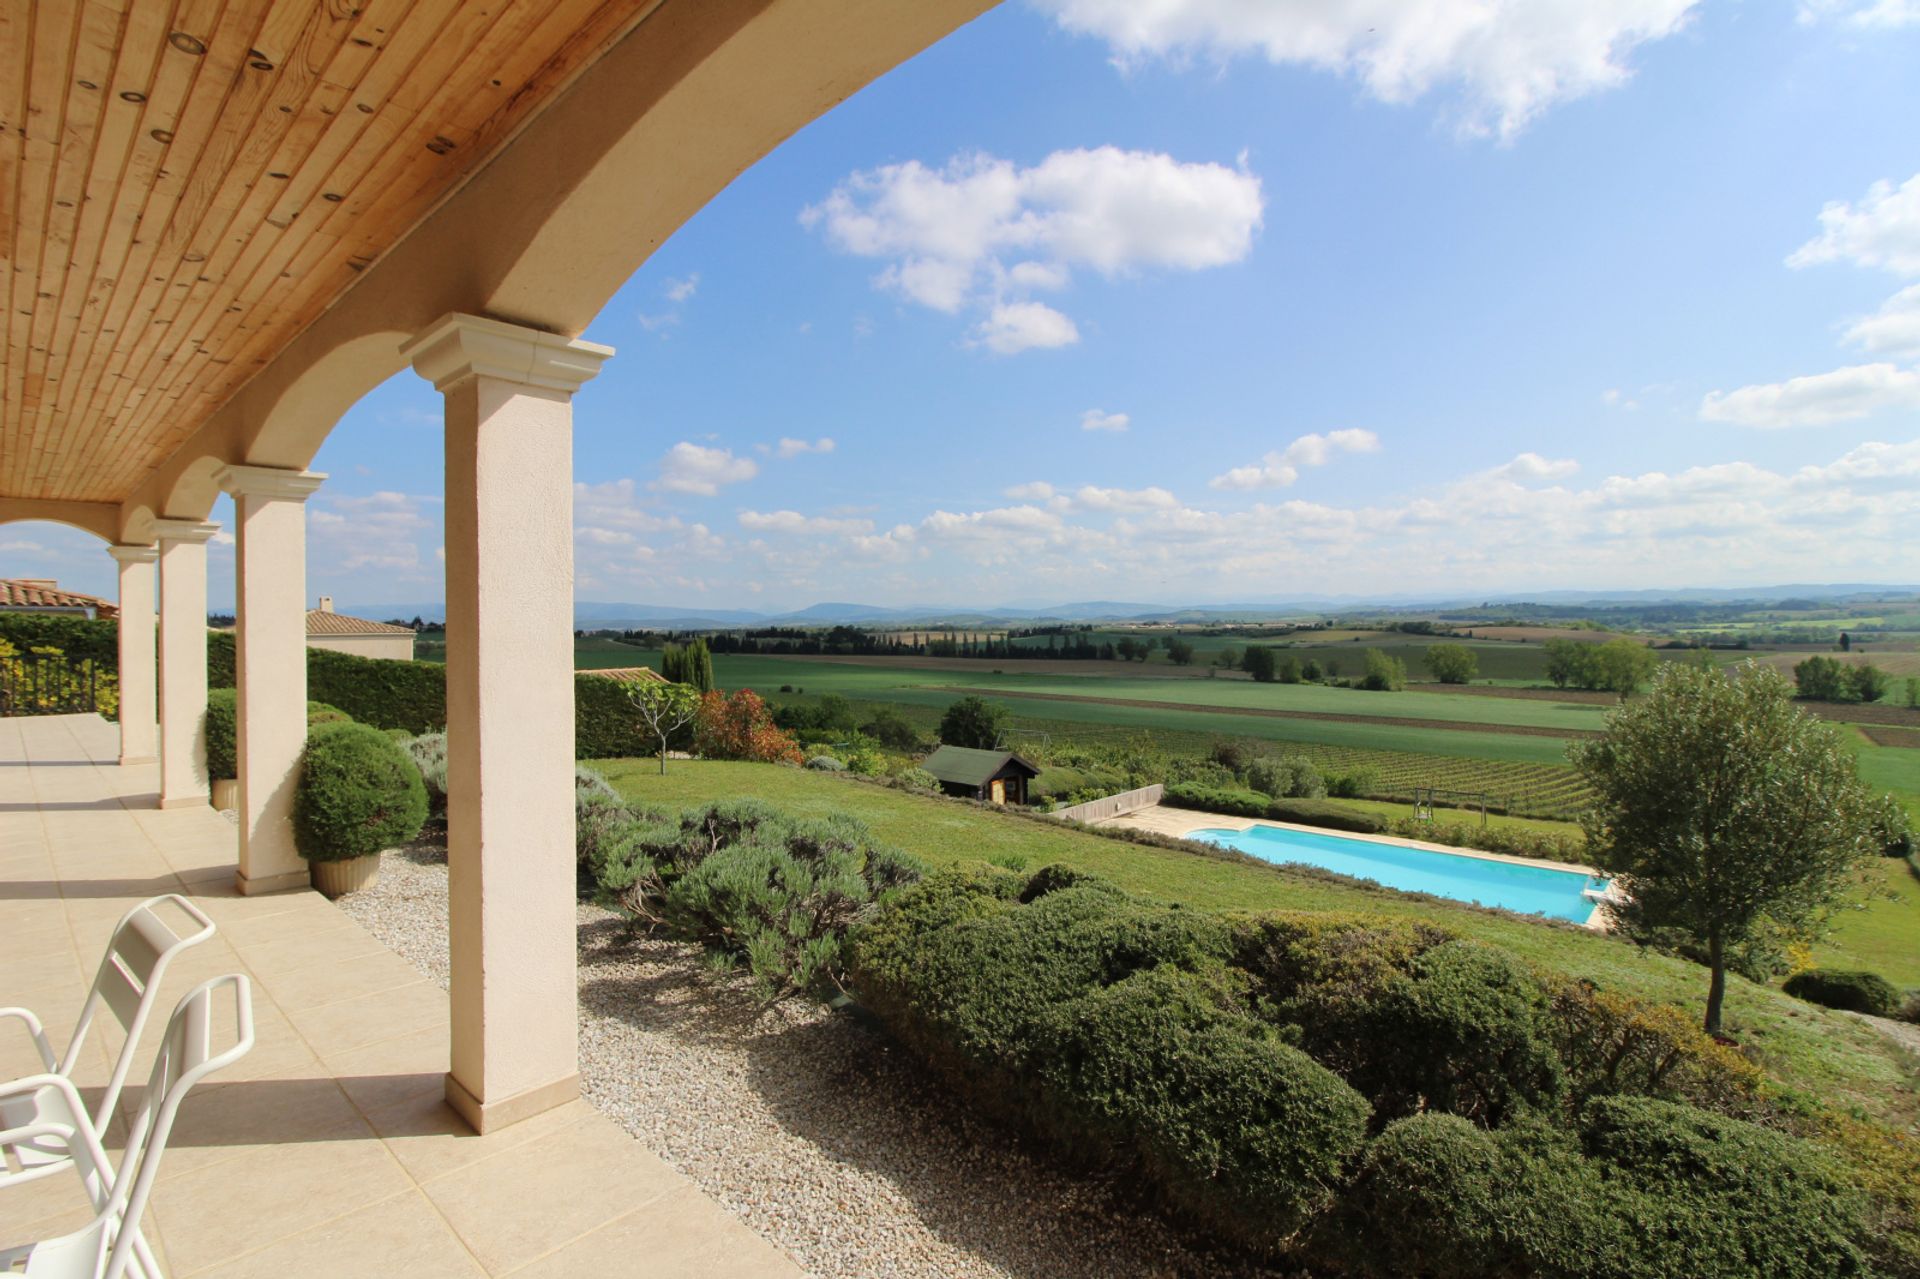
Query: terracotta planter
<point x="226" y="793"/>
<point x="336" y="879"/>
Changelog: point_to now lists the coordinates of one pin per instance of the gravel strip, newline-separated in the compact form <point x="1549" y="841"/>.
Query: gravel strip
<point x="809" y="1125"/>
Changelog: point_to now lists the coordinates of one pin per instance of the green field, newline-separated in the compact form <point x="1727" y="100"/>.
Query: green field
<point x="1529" y="768"/>
<point x="1834" y="1057"/>
<point x="1884" y="936"/>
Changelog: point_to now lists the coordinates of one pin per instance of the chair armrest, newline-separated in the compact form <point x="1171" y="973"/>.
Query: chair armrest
<point x="35" y="1031"/>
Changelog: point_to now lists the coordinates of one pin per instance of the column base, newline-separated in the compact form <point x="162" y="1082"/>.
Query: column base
<point x="184" y="801"/>
<point x="490" y="1116"/>
<point x="271" y="883"/>
<point x="129" y="760"/>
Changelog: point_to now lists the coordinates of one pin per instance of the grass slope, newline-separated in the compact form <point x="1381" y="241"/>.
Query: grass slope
<point x="1833" y="1056"/>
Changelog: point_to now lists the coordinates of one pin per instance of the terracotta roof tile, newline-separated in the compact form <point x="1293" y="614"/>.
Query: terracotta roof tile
<point x="323" y="623"/>
<point x="41" y="592"/>
<point x="628" y="675"/>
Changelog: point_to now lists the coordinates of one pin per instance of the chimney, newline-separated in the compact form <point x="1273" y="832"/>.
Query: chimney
<point x="326" y="603"/>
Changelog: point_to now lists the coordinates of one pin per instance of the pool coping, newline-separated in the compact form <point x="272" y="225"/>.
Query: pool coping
<point x="1219" y="821"/>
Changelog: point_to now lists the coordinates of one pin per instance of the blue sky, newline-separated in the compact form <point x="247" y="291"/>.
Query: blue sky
<point x="1225" y="300"/>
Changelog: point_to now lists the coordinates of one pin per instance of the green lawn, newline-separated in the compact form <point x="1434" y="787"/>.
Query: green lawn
<point x="1884" y="936"/>
<point x="1834" y="1057"/>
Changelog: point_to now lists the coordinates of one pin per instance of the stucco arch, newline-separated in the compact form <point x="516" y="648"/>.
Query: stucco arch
<point x="98" y="518"/>
<point x="195" y="489"/>
<point x="567" y="212"/>
<point x="136" y="527"/>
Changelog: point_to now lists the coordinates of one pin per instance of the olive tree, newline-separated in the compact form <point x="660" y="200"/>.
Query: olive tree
<point x="665" y="709"/>
<point x="1724" y="812"/>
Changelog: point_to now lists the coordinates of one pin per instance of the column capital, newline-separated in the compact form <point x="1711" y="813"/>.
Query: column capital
<point x="269" y="481"/>
<point x="456" y="347"/>
<point x="134" y="554"/>
<point x="193" y="531"/>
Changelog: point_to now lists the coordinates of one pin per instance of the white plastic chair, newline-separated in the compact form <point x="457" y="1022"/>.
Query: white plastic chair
<point x="111" y="1245"/>
<point x="128" y="983"/>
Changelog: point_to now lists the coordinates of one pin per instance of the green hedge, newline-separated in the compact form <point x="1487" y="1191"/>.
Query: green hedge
<point x="1247" y="803"/>
<point x="412" y="696"/>
<point x="1234" y="1068"/>
<point x="359" y="793"/>
<point x="1639" y="1188"/>
<point x="80" y="638"/>
<point x="1855" y="992"/>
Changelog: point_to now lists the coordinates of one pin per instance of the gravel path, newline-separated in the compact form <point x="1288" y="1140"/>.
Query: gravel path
<point x="807" y="1124"/>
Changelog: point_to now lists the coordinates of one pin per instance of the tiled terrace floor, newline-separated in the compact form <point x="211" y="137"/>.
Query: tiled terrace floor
<point x="327" y="1149"/>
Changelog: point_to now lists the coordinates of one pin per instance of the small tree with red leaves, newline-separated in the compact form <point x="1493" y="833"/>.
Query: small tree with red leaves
<point x="740" y="726"/>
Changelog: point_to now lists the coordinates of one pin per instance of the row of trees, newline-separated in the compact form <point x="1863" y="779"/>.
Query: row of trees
<point x="1827" y="679"/>
<point x="1617" y="666"/>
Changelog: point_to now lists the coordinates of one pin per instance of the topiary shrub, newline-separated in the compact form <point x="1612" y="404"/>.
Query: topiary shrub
<point x="1643" y="1188"/>
<point x="826" y="764"/>
<point x="1465" y="1031"/>
<point x="1235" y="1129"/>
<point x="223" y="729"/>
<point x="1846" y="989"/>
<point x="359" y="793"/>
<point x="223" y="733"/>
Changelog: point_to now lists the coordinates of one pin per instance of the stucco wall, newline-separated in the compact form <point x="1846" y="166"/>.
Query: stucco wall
<point x="392" y="647"/>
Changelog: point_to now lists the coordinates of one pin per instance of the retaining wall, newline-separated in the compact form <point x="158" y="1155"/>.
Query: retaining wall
<point x="1098" y="810"/>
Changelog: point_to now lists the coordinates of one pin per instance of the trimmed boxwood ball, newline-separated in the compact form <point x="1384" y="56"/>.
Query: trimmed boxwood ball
<point x="223" y="730"/>
<point x="359" y="793"/>
<point x="1845" y="989"/>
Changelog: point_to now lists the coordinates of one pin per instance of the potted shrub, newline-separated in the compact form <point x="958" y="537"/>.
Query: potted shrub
<point x="223" y="742"/>
<point x="223" y="747"/>
<point x="360" y="792"/>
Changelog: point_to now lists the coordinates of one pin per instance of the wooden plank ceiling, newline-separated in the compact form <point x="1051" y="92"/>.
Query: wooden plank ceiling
<point x="185" y="185"/>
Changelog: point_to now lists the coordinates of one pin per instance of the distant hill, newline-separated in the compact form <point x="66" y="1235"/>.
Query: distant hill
<point x="591" y="615"/>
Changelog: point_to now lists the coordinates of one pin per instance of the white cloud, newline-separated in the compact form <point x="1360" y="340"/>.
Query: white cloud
<point x="1883" y="230"/>
<point x="1089" y="497"/>
<point x="375" y="532"/>
<point x="691" y="468"/>
<point x="1819" y="399"/>
<point x="1013" y="327"/>
<point x="1892" y="330"/>
<point x="682" y="289"/>
<point x="1532" y="468"/>
<point x="982" y="232"/>
<point x="1868" y="14"/>
<point x="1281" y="467"/>
<point x="794" y="522"/>
<point x="1615" y="398"/>
<point x="1037" y="491"/>
<point x="1502" y="61"/>
<point x="791" y="448"/>
<point x="1097" y="420"/>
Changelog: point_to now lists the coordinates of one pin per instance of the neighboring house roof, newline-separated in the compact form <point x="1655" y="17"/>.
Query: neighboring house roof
<point x="323" y="622"/>
<point x="42" y="594"/>
<point x="964" y="766"/>
<point x="628" y="675"/>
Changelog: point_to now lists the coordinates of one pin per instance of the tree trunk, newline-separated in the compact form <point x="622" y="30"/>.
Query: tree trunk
<point x="1717" y="990"/>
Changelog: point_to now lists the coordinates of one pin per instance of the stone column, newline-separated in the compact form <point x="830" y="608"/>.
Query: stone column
<point x="139" y="704"/>
<point x="183" y="661"/>
<point x="270" y="662"/>
<point x="509" y="564"/>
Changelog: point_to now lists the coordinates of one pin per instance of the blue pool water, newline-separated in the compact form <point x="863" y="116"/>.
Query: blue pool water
<point x="1531" y="890"/>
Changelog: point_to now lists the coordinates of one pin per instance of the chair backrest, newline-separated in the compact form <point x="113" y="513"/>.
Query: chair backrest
<point x="128" y="983"/>
<point x="186" y="1057"/>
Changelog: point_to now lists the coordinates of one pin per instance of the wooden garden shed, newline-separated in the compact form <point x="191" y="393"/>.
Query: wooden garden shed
<point x="999" y="777"/>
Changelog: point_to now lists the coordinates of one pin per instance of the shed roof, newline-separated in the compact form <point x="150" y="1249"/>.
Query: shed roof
<point x="327" y="622"/>
<point x="965" y="766"/>
<point x="44" y="594"/>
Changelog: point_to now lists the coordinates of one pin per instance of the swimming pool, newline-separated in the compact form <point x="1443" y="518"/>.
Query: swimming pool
<point x="1531" y="890"/>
